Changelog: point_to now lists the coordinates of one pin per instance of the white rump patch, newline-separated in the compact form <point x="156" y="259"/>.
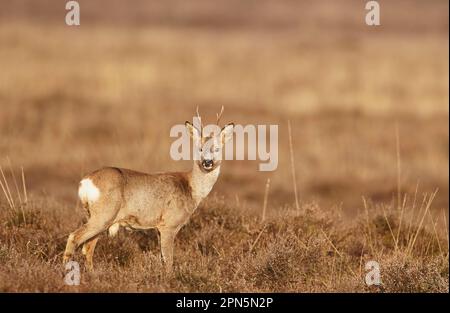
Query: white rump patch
<point x="88" y="192"/>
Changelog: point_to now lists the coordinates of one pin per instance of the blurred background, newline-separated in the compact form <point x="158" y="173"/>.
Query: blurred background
<point x="368" y="105"/>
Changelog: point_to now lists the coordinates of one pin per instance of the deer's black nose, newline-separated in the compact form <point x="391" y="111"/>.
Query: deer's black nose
<point x="207" y="163"/>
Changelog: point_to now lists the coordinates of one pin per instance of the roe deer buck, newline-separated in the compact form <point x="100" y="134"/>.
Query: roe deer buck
<point x="117" y="197"/>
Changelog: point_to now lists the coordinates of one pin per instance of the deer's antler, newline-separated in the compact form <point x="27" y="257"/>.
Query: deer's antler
<point x="219" y="115"/>
<point x="201" y="124"/>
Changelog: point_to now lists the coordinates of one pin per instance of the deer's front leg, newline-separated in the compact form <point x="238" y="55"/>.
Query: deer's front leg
<point x="167" y="242"/>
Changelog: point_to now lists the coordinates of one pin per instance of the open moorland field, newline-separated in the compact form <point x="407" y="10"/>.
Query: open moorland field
<point x="368" y="107"/>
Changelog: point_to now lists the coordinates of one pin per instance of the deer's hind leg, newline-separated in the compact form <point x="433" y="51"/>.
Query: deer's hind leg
<point x="88" y="251"/>
<point x="96" y="224"/>
<point x="89" y="230"/>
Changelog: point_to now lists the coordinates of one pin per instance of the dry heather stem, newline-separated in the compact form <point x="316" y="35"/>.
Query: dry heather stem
<point x="294" y="180"/>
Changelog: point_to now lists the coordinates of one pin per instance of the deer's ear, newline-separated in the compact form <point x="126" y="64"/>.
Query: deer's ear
<point x="226" y="133"/>
<point x="193" y="132"/>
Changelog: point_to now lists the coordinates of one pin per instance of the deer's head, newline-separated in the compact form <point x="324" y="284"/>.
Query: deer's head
<point x="209" y="142"/>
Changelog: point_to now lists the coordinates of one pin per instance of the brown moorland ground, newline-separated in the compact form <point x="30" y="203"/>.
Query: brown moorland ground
<point x="369" y="113"/>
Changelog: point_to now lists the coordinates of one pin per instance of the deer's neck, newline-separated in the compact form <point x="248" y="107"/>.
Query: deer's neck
<point x="202" y="183"/>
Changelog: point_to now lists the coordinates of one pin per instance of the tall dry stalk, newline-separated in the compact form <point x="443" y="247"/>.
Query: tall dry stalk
<point x="22" y="199"/>
<point x="446" y="227"/>
<point x="436" y="235"/>
<point x="399" y="164"/>
<point x="257" y="239"/>
<point x="400" y="205"/>
<point x="413" y="210"/>
<point x="369" y="231"/>
<point x="390" y="228"/>
<point x="427" y="201"/>
<point x="337" y="251"/>
<point x="7" y="191"/>
<point x="294" y="180"/>
<point x="266" y="196"/>
<point x="446" y="233"/>
<point x="24" y="186"/>
<point x="14" y="180"/>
